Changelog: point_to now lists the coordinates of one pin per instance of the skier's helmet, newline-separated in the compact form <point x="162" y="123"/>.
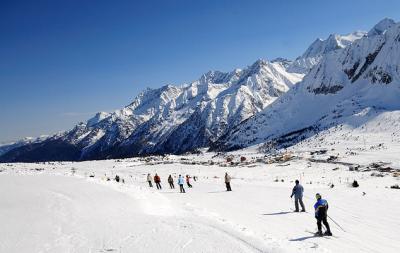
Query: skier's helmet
<point x="318" y="196"/>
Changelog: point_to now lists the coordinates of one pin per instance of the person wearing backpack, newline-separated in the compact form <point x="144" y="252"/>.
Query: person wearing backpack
<point x="321" y="214"/>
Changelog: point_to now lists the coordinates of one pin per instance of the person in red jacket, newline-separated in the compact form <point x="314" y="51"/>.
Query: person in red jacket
<point x="188" y="181"/>
<point x="157" y="180"/>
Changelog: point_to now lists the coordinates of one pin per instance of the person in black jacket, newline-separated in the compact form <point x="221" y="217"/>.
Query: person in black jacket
<point x="171" y="182"/>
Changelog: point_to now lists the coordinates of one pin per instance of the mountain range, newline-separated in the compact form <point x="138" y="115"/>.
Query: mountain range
<point x="344" y="79"/>
<point x="349" y="86"/>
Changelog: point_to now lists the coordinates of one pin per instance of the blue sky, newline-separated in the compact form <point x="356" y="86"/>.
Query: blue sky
<point x="62" y="61"/>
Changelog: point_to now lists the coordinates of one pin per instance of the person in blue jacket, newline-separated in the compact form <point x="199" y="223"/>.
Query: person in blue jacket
<point x="297" y="192"/>
<point x="321" y="214"/>
<point x="181" y="181"/>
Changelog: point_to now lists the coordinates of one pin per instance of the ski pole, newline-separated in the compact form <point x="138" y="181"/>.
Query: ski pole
<point x="337" y="224"/>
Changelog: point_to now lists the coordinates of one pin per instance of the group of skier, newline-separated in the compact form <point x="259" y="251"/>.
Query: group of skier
<point x="320" y="207"/>
<point x="181" y="181"/>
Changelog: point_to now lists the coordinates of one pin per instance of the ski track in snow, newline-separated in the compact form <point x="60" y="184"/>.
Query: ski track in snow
<point x="64" y="228"/>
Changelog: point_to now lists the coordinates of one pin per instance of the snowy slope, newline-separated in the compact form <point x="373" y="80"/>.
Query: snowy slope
<point x="165" y="120"/>
<point x="69" y="214"/>
<point x="348" y="87"/>
<point x="71" y="207"/>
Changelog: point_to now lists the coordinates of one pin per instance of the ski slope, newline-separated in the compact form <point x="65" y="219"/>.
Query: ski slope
<point x="50" y="213"/>
<point x="58" y="207"/>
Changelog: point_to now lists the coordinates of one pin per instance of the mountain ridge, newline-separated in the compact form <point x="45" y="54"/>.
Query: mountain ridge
<point x="227" y="110"/>
<point x="363" y="76"/>
<point x="156" y="118"/>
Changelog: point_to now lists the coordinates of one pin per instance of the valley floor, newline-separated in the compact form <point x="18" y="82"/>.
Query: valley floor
<point x="59" y="207"/>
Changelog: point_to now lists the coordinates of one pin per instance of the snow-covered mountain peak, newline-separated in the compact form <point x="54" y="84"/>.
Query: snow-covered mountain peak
<point x="258" y="65"/>
<point x="97" y="118"/>
<point x="335" y="41"/>
<point x="320" y="47"/>
<point x="343" y="41"/>
<point x="381" y="27"/>
<point x="152" y="100"/>
<point x="285" y="62"/>
<point x="369" y="60"/>
<point x="218" y="77"/>
<point x="347" y="39"/>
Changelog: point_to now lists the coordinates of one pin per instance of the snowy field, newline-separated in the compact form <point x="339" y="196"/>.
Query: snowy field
<point x="71" y="207"/>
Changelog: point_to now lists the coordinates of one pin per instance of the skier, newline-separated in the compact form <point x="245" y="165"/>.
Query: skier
<point x="117" y="178"/>
<point x="171" y="182"/>
<point x="157" y="180"/>
<point x="228" y="182"/>
<point x="181" y="181"/>
<point x="149" y="180"/>
<point x="297" y="192"/>
<point x="321" y="214"/>
<point x="188" y="181"/>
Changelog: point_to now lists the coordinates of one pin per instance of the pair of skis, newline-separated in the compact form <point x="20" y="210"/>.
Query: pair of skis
<point x="323" y="235"/>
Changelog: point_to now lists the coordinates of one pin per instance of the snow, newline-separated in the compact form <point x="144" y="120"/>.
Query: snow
<point x="57" y="207"/>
